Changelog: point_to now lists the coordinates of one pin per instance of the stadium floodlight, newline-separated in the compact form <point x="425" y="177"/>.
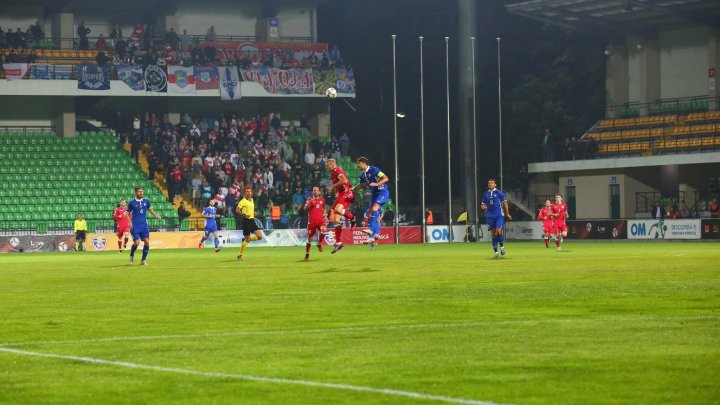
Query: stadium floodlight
<point x="447" y="96"/>
<point x="395" y="117"/>
<point x="422" y="144"/>
<point x="474" y="154"/>
<point x="400" y="115"/>
<point x="500" y="112"/>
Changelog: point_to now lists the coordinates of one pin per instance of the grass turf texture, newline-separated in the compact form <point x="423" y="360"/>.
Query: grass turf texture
<point x="598" y="323"/>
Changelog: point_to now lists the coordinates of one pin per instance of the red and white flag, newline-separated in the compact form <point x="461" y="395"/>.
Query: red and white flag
<point x="181" y="79"/>
<point x="16" y="71"/>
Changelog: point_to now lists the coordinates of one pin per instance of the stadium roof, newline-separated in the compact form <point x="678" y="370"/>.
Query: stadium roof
<point x="610" y="18"/>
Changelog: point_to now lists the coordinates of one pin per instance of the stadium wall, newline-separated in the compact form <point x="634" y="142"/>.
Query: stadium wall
<point x="228" y="17"/>
<point x="684" y="62"/>
<point x="26" y="111"/>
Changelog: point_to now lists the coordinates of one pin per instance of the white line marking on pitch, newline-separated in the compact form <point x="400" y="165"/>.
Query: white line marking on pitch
<point x="346" y="387"/>
<point x="363" y="328"/>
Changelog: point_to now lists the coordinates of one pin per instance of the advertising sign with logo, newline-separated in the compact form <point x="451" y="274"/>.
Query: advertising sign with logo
<point x="37" y="243"/>
<point x="592" y="229"/>
<point x="523" y="230"/>
<point x="440" y="234"/>
<point x="711" y="228"/>
<point x="667" y="229"/>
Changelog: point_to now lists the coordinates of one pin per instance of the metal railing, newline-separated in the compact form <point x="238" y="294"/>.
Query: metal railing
<point x="669" y="106"/>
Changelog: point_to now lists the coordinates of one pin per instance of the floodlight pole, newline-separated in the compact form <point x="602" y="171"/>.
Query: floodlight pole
<point x="397" y="177"/>
<point x="447" y="96"/>
<point x="422" y="144"/>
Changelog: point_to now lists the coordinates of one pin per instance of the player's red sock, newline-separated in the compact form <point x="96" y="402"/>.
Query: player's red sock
<point x="119" y="244"/>
<point x="557" y="242"/>
<point x="126" y="241"/>
<point x="547" y="242"/>
<point x="349" y="215"/>
<point x="338" y="234"/>
<point x="307" y="248"/>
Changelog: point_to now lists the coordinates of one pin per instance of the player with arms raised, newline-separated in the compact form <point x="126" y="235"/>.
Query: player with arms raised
<point x="496" y="206"/>
<point x="122" y="219"/>
<point x="344" y="196"/>
<point x="138" y="209"/>
<point x="559" y="214"/>
<point x="210" y="214"/>
<point x="376" y="180"/>
<point x="315" y="207"/>
<point x="547" y="222"/>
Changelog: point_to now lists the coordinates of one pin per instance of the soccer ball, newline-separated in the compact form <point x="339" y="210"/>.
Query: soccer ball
<point x="331" y="92"/>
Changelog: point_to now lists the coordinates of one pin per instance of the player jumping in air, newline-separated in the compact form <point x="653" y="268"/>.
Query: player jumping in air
<point x="210" y="213"/>
<point x="344" y="196"/>
<point x="559" y="214"/>
<point x="376" y="180"/>
<point x="496" y="206"/>
<point x="246" y="209"/>
<point x="122" y="220"/>
<point x="315" y="207"/>
<point x="547" y="221"/>
<point x="138" y="208"/>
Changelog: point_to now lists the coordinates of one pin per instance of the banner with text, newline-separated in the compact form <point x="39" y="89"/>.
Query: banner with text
<point x="228" y="50"/>
<point x="229" y="83"/>
<point x="46" y="71"/>
<point x="592" y="229"/>
<point x="93" y="77"/>
<point x="37" y="243"/>
<point x="132" y="76"/>
<point x="667" y="229"/>
<point x="155" y="79"/>
<point x="461" y="233"/>
<point x="523" y="230"/>
<point x="206" y="77"/>
<point x="281" y="81"/>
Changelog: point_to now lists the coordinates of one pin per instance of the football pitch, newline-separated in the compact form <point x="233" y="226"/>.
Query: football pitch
<point x="598" y="323"/>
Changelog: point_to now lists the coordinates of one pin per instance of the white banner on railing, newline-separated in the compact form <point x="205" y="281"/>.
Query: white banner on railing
<point x="664" y="229"/>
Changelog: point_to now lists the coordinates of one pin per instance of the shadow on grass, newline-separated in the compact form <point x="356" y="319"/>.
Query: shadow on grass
<point x="340" y="270"/>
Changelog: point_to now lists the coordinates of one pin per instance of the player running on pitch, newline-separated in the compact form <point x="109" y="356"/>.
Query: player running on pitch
<point x="559" y="214"/>
<point x="317" y="218"/>
<point x="210" y="214"/>
<point x="344" y="196"/>
<point x="496" y="206"/>
<point x="547" y="222"/>
<point x="122" y="219"/>
<point x="138" y="208"/>
<point x="376" y="180"/>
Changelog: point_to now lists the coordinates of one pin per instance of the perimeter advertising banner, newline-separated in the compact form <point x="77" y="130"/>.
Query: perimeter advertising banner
<point x="710" y="228"/>
<point x="592" y="229"/>
<point x="664" y="229"/>
<point x="37" y="243"/>
<point x="523" y="230"/>
<point x="440" y="234"/>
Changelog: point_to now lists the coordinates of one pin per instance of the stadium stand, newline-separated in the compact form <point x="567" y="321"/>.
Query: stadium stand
<point x="47" y="180"/>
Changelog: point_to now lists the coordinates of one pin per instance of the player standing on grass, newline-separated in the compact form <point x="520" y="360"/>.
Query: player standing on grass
<point x="375" y="179"/>
<point x="80" y="227"/>
<point x="496" y="207"/>
<point x="559" y="214"/>
<point x="547" y="221"/>
<point x="210" y="213"/>
<point x="315" y="207"/>
<point x="122" y="220"/>
<point x="246" y="209"/>
<point x="138" y="209"/>
<point x="344" y="196"/>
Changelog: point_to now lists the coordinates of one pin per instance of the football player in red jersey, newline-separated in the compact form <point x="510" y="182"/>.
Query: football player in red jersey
<point x="559" y="214"/>
<point x="122" y="219"/>
<point x="315" y="207"/>
<point x="344" y="196"/>
<point x="547" y="222"/>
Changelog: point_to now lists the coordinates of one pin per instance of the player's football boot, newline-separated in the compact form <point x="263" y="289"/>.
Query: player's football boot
<point x="131" y="260"/>
<point x="143" y="263"/>
<point x="337" y="247"/>
<point x="307" y="256"/>
<point x="240" y="258"/>
<point x="320" y="249"/>
<point x="201" y="245"/>
<point x="502" y="251"/>
<point x="497" y="255"/>
<point x="217" y="250"/>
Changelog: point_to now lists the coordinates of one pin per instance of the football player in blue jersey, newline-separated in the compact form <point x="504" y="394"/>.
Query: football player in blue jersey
<point x="373" y="178"/>
<point x="495" y="205"/>
<point x="138" y="208"/>
<point x="210" y="213"/>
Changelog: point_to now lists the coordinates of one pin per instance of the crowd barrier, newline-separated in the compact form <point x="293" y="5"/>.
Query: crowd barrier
<point x="644" y="229"/>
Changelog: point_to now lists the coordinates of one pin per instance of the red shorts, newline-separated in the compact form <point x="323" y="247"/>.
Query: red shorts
<point x="560" y="227"/>
<point x="313" y="228"/>
<point x="122" y="231"/>
<point x="548" y="228"/>
<point x="344" y="200"/>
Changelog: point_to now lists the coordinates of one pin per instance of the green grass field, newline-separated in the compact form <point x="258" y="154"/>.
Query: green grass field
<point x="599" y="323"/>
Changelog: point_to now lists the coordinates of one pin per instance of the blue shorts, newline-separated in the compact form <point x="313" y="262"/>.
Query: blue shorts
<point x="380" y="199"/>
<point x="210" y="229"/>
<point x="140" y="233"/>
<point x="495" y="222"/>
